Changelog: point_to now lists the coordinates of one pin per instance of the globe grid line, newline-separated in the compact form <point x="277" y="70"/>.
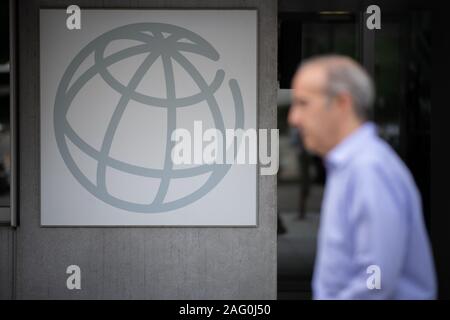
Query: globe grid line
<point x="117" y="116"/>
<point x="171" y="126"/>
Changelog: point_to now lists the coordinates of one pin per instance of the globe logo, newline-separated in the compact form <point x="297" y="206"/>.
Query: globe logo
<point x="157" y="41"/>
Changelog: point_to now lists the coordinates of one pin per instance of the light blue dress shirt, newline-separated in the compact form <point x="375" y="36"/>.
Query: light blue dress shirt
<point x="371" y="215"/>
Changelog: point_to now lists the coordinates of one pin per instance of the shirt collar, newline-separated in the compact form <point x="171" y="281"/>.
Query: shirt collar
<point x="350" y="146"/>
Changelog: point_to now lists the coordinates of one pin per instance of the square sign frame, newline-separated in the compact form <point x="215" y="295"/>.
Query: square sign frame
<point x="111" y="93"/>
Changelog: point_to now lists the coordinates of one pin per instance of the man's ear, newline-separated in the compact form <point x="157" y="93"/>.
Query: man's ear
<point x="344" y="101"/>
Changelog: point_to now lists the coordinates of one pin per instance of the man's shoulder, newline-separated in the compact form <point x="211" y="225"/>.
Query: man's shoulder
<point x="379" y="161"/>
<point x="376" y="154"/>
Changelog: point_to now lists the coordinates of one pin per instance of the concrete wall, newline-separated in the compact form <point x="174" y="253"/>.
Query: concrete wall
<point x="6" y="262"/>
<point x="146" y="263"/>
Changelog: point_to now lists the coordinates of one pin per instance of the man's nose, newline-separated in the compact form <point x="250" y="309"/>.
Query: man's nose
<point x="294" y="118"/>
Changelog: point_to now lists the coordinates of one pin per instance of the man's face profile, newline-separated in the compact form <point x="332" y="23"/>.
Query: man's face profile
<point x="312" y="112"/>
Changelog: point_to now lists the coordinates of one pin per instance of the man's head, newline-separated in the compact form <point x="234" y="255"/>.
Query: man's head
<point x="331" y="96"/>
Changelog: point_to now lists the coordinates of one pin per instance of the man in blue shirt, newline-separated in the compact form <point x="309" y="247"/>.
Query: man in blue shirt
<point x="372" y="243"/>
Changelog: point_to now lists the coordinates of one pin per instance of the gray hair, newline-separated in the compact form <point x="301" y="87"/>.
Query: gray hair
<point x="346" y="75"/>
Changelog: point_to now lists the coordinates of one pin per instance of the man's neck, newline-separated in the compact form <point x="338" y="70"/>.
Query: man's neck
<point x="346" y="130"/>
<point x="351" y="126"/>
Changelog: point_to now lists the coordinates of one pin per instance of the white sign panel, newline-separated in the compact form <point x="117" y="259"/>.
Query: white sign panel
<point x="114" y="91"/>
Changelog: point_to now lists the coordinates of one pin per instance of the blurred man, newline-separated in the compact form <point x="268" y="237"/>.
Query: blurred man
<point x="371" y="219"/>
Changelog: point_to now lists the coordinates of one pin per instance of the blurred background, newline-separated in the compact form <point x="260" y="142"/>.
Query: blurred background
<point x="5" y="145"/>
<point x="398" y="56"/>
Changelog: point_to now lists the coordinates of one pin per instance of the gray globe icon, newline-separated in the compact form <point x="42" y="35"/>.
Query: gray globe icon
<point x="157" y="41"/>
